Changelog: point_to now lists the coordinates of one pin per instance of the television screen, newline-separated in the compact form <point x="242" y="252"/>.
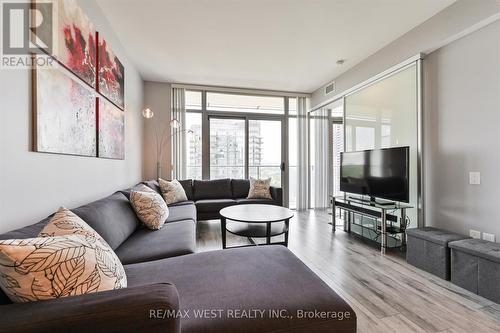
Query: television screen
<point x="379" y="173"/>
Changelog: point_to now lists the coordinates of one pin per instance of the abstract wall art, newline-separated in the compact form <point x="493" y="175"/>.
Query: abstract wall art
<point x="64" y="113"/>
<point x="75" y="40"/>
<point x="111" y="130"/>
<point x="111" y="75"/>
<point x="79" y="101"/>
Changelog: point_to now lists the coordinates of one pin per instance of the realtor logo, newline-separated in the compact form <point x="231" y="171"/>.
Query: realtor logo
<point x="26" y="27"/>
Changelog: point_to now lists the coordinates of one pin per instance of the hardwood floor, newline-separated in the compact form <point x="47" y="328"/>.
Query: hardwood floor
<point x="387" y="294"/>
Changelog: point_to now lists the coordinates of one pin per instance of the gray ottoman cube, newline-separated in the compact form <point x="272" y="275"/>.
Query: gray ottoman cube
<point x="475" y="266"/>
<point x="427" y="249"/>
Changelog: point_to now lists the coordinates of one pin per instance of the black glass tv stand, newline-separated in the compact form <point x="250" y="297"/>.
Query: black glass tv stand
<point x="372" y="200"/>
<point x="389" y="223"/>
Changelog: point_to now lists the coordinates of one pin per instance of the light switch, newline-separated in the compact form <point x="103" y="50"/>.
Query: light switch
<point x="474" y="178"/>
<point x="475" y="234"/>
<point x="488" y="237"/>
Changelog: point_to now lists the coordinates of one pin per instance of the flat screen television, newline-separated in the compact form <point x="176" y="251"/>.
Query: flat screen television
<point x="378" y="173"/>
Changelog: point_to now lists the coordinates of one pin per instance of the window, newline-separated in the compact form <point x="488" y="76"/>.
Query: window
<point x="227" y="148"/>
<point x="365" y="138"/>
<point x="193" y="100"/>
<point x="292" y="162"/>
<point x="239" y="135"/>
<point x="292" y="106"/>
<point x="245" y="103"/>
<point x="193" y="145"/>
<point x="264" y="150"/>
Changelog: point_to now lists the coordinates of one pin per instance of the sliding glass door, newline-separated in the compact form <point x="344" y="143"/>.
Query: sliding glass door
<point x="228" y="148"/>
<point x="246" y="146"/>
<point x="264" y="150"/>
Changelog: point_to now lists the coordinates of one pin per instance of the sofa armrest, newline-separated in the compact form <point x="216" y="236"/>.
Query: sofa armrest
<point x="133" y="309"/>
<point x="277" y="194"/>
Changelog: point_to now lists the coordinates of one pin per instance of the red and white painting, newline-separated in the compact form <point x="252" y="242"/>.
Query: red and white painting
<point x="76" y="41"/>
<point x="111" y="130"/>
<point x="65" y="113"/>
<point x="111" y="75"/>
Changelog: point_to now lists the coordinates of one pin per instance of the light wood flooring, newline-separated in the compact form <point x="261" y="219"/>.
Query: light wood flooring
<point x="387" y="294"/>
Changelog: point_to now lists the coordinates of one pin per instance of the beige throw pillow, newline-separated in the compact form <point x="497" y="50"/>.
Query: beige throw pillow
<point x="150" y="208"/>
<point x="65" y="222"/>
<point x="52" y="267"/>
<point x="172" y="191"/>
<point x="260" y="189"/>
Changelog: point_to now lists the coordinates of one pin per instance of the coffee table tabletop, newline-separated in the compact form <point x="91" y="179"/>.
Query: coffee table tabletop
<point x="256" y="213"/>
<point x="255" y="220"/>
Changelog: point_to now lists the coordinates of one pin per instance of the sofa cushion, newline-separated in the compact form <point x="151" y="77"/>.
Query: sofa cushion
<point x="213" y="205"/>
<point x="182" y="212"/>
<point x="181" y="203"/>
<point x="65" y="222"/>
<point x="30" y="231"/>
<point x="230" y="279"/>
<point x="212" y="189"/>
<point x="187" y="184"/>
<point x="153" y="184"/>
<point x="240" y="188"/>
<point x="174" y="239"/>
<point x="112" y="217"/>
<point x="255" y="201"/>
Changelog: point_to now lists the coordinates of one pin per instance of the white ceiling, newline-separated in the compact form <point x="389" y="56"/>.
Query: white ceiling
<point x="288" y="45"/>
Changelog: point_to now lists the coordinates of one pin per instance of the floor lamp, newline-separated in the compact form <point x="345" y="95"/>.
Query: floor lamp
<point x="160" y="135"/>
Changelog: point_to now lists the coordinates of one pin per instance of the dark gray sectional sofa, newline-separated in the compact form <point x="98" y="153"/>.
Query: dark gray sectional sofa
<point x="210" y="196"/>
<point x="169" y="286"/>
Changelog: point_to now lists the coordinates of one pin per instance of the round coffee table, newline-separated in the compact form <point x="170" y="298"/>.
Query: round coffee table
<point x="255" y="221"/>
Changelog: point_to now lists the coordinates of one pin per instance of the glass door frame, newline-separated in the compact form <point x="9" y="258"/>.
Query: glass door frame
<point x="207" y="115"/>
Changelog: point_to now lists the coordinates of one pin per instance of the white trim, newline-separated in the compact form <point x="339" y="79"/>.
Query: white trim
<point x="373" y="79"/>
<point x="240" y="90"/>
<point x="420" y="147"/>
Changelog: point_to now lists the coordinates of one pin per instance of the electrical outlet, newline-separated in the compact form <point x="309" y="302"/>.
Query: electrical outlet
<point x="475" y="234"/>
<point x="488" y="237"/>
<point x="474" y="178"/>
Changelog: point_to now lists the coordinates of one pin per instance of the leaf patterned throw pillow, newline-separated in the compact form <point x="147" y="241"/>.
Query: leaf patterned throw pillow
<point x="150" y="208"/>
<point x="259" y="189"/>
<point x="45" y="268"/>
<point x="65" y="222"/>
<point x="172" y="191"/>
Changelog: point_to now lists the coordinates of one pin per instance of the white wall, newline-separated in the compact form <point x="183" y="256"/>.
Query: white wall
<point x="157" y="97"/>
<point x="462" y="133"/>
<point x="33" y="185"/>
<point x="449" y="24"/>
<point x="461" y="110"/>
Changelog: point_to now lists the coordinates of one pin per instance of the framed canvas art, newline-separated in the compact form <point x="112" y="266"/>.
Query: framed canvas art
<point x="64" y="113"/>
<point x="111" y="75"/>
<point x="111" y="131"/>
<point x="75" y="38"/>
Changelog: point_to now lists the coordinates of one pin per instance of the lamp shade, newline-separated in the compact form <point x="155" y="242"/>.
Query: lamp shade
<point x="175" y="123"/>
<point x="147" y="113"/>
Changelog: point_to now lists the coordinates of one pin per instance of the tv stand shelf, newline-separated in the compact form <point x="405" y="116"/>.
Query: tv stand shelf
<point x="377" y="211"/>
